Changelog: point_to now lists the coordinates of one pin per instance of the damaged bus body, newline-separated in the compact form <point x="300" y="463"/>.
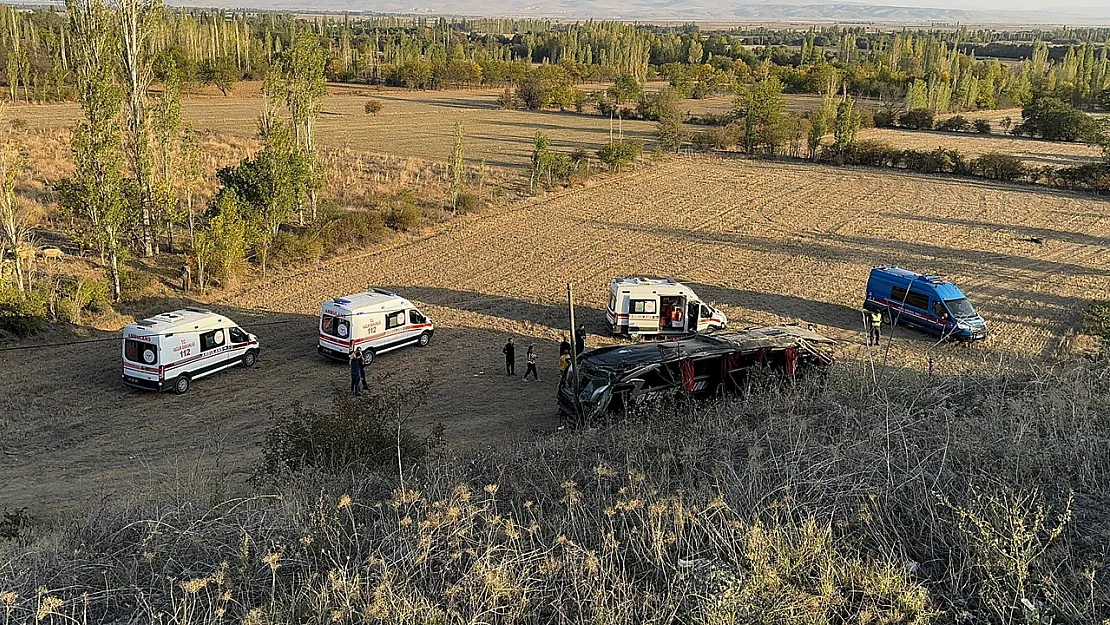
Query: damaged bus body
<point x="613" y="379"/>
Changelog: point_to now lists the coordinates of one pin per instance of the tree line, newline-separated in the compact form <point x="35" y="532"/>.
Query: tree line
<point x="935" y="69"/>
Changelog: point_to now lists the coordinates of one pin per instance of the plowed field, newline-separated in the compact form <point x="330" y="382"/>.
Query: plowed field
<point x="766" y="241"/>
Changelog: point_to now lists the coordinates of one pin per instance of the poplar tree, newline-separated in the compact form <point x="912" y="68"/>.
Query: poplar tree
<point x="165" y="121"/>
<point x="14" y="218"/>
<point x="95" y="190"/>
<point x="455" y="167"/>
<point x="304" y="90"/>
<point x="137" y="19"/>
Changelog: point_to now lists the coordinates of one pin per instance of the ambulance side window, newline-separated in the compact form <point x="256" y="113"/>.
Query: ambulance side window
<point x="211" y="340"/>
<point x="395" y="320"/>
<point x="641" y="306"/>
<point x="706" y="313"/>
<point x="238" y="336"/>
<point x="416" y="318"/>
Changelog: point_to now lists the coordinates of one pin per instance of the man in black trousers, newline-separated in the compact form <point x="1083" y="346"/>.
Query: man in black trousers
<point x="510" y="357"/>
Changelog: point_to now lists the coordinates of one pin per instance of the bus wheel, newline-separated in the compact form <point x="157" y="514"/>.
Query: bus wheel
<point x="181" y="385"/>
<point x="424" y="339"/>
<point x="887" y="319"/>
<point x="250" y="358"/>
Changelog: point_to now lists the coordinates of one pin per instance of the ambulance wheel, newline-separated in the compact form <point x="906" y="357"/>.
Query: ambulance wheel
<point x="367" y="357"/>
<point x="424" y="339"/>
<point x="250" y="358"/>
<point x="181" y="385"/>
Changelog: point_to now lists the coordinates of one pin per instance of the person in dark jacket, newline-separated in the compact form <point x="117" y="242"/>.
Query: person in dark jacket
<point x="356" y="371"/>
<point x="580" y="340"/>
<point x="564" y="347"/>
<point x="510" y="357"/>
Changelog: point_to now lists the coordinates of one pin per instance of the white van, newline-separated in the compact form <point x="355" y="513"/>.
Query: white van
<point x="658" y="307"/>
<point x="170" y="350"/>
<point x="378" y="321"/>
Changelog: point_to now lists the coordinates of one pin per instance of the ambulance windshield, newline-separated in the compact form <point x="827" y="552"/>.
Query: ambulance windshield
<point x="960" y="308"/>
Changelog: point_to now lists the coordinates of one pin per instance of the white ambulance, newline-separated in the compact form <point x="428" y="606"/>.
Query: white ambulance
<point x="378" y="321"/>
<point x="170" y="350"/>
<point x="658" y="307"/>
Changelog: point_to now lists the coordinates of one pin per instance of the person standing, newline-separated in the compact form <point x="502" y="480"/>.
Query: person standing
<point x="361" y="356"/>
<point x="186" y="278"/>
<point x="580" y="340"/>
<point x="510" y="357"/>
<point x="356" y="371"/>
<point x="564" y="346"/>
<point x="530" y="359"/>
<point x="564" y="366"/>
<point x="874" y="327"/>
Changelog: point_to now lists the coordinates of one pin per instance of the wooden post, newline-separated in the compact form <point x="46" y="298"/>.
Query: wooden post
<point x="574" y="347"/>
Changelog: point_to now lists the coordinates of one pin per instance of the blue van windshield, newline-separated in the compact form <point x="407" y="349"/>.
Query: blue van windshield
<point x="960" y="308"/>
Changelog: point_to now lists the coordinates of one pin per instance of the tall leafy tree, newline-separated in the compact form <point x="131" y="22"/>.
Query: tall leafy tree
<point x="95" y="190"/>
<point x="137" y="22"/>
<point x="305" y="89"/>
<point x="14" y="219"/>
<point x="165" y="120"/>
<point x="758" y="104"/>
<point x="455" y="166"/>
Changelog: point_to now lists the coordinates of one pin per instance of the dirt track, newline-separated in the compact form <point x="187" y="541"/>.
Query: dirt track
<point x="767" y="241"/>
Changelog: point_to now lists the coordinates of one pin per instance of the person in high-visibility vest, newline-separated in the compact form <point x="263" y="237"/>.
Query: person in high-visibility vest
<point x="875" y="326"/>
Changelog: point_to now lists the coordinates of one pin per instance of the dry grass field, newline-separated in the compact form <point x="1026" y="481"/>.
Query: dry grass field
<point x="767" y="241"/>
<point x="416" y="124"/>
<point x="420" y="125"/>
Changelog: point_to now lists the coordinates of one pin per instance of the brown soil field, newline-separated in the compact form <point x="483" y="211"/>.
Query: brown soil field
<point x="767" y="241"/>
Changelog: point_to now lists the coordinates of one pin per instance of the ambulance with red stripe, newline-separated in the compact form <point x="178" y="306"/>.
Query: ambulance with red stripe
<point x="654" y="307"/>
<point x="170" y="350"/>
<point x="377" y="320"/>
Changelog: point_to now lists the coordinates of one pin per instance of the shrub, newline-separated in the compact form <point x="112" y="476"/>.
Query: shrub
<point x="998" y="167"/>
<point x="884" y="118"/>
<point x="21" y="314"/>
<point x="873" y="153"/>
<point x="373" y="107"/>
<point x="711" y="119"/>
<point x="940" y="160"/>
<point x="296" y="248"/>
<point x="1054" y="120"/>
<point x="982" y="127"/>
<point x="79" y="297"/>
<point x="508" y="99"/>
<point x="351" y="230"/>
<point x="134" y="282"/>
<point x="917" y="119"/>
<point x="716" y="138"/>
<point x="866" y="117"/>
<point x="403" y="216"/>
<point x="1091" y="177"/>
<point x="364" y="433"/>
<point x="619" y="154"/>
<point x="468" y="203"/>
<point x="956" y="123"/>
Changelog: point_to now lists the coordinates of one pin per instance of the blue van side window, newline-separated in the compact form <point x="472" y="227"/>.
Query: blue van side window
<point x="915" y="299"/>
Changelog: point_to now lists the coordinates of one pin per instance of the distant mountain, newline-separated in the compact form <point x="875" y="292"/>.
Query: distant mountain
<point x="684" y="10"/>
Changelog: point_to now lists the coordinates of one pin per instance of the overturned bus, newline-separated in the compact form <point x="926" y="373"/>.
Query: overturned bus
<point x="616" y="378"/>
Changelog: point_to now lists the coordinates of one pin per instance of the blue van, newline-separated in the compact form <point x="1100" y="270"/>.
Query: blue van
<point x="929" y="303"/>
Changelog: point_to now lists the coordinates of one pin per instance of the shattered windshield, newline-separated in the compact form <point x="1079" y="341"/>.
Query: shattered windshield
<point x="960" y="308"/>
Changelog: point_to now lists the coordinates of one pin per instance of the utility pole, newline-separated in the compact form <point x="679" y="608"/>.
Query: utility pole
<point x="574" y="349"/>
